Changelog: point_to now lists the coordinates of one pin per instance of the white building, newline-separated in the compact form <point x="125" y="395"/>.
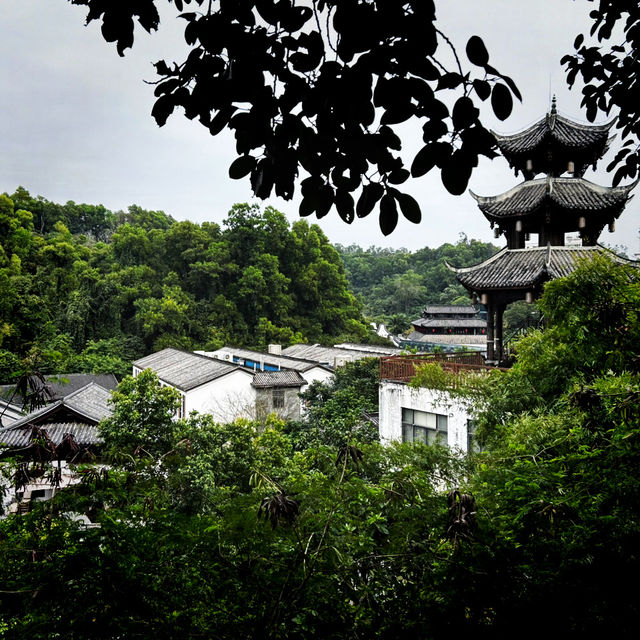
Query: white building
<point x="221" y="389"/>
<point x="410" y="414"/>
<point x="230" y="384"/>
<point x="309" y="369"/>
<point x="423" y="415"/>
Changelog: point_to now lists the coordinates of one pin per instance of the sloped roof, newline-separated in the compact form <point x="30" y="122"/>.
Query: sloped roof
<point x="91" y="403"/>
<point x="428" y="323"/>
<point x="184" y="370"/>
<point x="283" y="361"/>
<point x="562" y="130"/>
<point x="523" y="268"/>
<point x="83" y="434"/>
<point x="9" y="413"/>
<point x="268" y="379"/>
<point x="435" y="309"/>
<point x="329" y="355"/>
<point x="575" y="194"/>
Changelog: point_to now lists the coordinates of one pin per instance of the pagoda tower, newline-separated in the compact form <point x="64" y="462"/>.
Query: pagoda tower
<point x="560" y="202"/>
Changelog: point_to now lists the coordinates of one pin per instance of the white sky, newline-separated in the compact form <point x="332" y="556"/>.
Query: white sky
<point x="76" y="121"/>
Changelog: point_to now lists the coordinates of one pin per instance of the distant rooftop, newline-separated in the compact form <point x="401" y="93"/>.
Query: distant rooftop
<point x="91" y="403"/>
<point x="260" y="360"/>
<point x="336" y="356"/>
<point x="184" y="370"/>
<point x="279" y="379"/>
<point x="438" y="309"/>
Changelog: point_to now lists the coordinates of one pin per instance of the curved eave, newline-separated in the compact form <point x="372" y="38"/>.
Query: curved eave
<point x="516" y="269"/>
<point x="526" y="141"/>
<point x="528" y="197"/>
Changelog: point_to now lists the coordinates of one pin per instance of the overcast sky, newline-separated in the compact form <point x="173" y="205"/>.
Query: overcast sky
<point x="76" y="121"/>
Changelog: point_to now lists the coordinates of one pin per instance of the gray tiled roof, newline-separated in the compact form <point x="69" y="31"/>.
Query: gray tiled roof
<point x="429" y="323"/>
<point x="83" y="434"/>
<point x="520" y="268"/>
<point x="184" y="370"/>
<point x="283" y="361"/>
<point x="565" y="132"/>
<point x="434" y="309"/>
<point x="575" y="194"/>
<point x="331" y="355"/>
<point x="267" y="379"/>
<point x="374" y="349"/>
<point x="90" y="403"/>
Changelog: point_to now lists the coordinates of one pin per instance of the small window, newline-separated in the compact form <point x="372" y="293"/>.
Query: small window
<point x="424" y="427"/>
<point x="277" y="398"/>
<point x="472" y="444"/>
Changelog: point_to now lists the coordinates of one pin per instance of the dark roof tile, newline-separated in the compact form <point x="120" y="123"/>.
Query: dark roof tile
<point x="268" y="379"/>
<point x="575" y="194"/>
<point x="184" y="370"/>
<point x="521" y="268"/>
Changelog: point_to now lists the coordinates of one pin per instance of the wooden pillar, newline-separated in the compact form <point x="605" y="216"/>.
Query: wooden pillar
<point x="490" y="335"/>
<point x="498" y="348"/>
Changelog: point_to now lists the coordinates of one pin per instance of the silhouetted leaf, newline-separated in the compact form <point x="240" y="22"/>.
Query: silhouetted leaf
<point x="464" y="113"/>
<point x="477" y="52"/>
<point x="162" y="109"/>
<point x="398" y="176"/>
<point x="388" y="214"/>
<point x="456" y="173"/>
<point x="241" y="167"/>
<point x="482" y="89"/>
<point x="344" y="205"/>
<point x="424" y="161"/>
<point x="409" y="207"/>
<point x="501" y="101"/>
<point x="449" y="81"/>
<point x="370" y="195"/>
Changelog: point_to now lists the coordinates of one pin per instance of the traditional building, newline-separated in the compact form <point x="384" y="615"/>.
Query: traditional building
<point x="450" y="320"/>
<point x="545" y="209"/>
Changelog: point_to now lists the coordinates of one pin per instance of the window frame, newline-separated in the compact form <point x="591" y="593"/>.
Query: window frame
<point x="278" y="398"/>
<point x="424" y="427"/>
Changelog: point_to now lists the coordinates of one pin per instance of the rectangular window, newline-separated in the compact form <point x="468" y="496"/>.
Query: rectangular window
<point x="423" y="426"/>
<point x="277" y="398"/>
<point x="472" y="444"/>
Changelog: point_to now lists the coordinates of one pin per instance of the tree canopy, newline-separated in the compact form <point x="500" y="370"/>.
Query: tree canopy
<point x="610" y="70"/>
<point x="315" y="91"/>
<point x="241" y="530"/>
<point x="129" y="282"/>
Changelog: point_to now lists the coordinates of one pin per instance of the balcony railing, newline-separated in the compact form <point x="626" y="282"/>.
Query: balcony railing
<point x="403" y="368"/>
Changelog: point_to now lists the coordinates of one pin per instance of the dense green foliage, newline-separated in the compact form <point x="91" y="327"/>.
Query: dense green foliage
<point x="334" y="408"/>
<point x="226" y="531"/>
<point x="90" y="289"/>
<point x="223" y="531"/>
<point x="395" y="285"/>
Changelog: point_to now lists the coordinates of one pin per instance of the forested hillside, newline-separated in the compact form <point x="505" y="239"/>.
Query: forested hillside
<point x="89" y="289"/>
<point x="394" y="285"/>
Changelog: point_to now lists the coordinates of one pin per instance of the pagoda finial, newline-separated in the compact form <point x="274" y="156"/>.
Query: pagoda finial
<point x="551" y="116"/>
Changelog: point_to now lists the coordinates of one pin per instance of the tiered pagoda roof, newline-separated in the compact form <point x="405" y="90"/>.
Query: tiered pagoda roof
<point x="526" y="269"/>
<point x="548" y="207"/>
<point x="575" y="194"/>
<point x="549" y="145"/>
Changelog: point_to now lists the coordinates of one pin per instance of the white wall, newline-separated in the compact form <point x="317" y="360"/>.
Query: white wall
<point x="225" y="398"/>
<point x="315" y="373"/>
<point x="394" y="396"/>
